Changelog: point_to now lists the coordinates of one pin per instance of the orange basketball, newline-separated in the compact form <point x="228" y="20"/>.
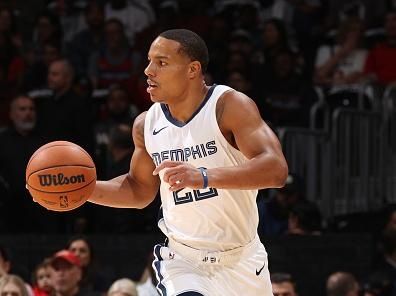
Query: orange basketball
<point x="60" y="176"/>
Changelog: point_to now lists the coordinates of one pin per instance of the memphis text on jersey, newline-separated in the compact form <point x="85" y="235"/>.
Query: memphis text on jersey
<point x="183" y="154"/>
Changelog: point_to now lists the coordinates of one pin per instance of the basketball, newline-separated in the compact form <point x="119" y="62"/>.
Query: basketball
<point x="60" y="176"/>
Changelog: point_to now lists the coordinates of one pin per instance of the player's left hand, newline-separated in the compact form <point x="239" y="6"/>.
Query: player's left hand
<point x="180" y="175"/>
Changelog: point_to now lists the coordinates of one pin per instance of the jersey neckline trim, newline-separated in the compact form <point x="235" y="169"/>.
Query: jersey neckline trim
<point x="178" y="123"/>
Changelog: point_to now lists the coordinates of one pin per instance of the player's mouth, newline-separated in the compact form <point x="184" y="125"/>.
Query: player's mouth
<point x="151" y="85"/>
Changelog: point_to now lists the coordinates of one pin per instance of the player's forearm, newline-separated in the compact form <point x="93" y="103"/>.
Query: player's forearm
<point x="120" y="192"/>
<point x="257" y="173"/>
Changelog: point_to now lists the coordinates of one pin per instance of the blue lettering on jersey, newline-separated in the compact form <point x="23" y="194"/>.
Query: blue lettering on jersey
<point x="196" y="151"/>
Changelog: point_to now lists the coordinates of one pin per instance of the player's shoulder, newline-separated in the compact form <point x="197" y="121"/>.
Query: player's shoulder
<point x="235" y="100"/>
<point x="138" y="127"/>
<point x="140" y="119"/>
<point x="234" y="107"/>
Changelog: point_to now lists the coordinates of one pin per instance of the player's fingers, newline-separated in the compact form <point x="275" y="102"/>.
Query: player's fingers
<point x="179" y="184"/>
<point x="175" y="179"/>
<point x="170" y="172"/>
<point x="165" y="164"/>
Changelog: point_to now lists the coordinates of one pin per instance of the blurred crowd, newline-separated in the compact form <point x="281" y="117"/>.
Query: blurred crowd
<point x="71" y="271"/>
<point x="73" y="70"/>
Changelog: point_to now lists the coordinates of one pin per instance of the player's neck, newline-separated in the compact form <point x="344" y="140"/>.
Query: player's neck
<point x="184" y="108"/>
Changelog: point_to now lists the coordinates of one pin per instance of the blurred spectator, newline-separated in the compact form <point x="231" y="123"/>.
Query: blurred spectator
<point x="285" y="98"/>
<point x="47" y="28"/>
<point x="218" y="32"/>
<point x="9" y="266"/>
<point x="388" y="218"/>
<point x="70" y="14"/>
<point x="306" y="23"/>
<point x="274" y="213"/>
<point x="241" y="42"/>
<point x="8" y="27"/>
<point x="35" y="76"/>
<point x="42" y="279"/>
<point x="121" y="148"/>
<point x="5" y="263"/>
<point x="88" y="40"/>
<point x="283" y="284"/>
<point x="114" y="220"/>
<point x="11" y="71"/>
<point x="342" y="284"/>
<point x="118" y="110"/>
<point x="381" y="61"/>
<point x="13" y="285"/>
<point x="341" y="64"/>
<point x="236" y="61"/>
<point x="134" y="15"/>
<point x="370" y="12"/>
<point x="386" y="222"/>
<point x="387" y="263"/>
<point x="273" y="39"/>
<point x="305" y="218"/>
<point x="240" y="82"/>
<point x="117" y="63"/>
<point x="17" y="144"/>
<point x="65" y="116"/>
<point x="93" y="281"/>
<point x="303" y="20"/>
<point x="378" y="284"/>
<point x="148" y="281"/>
<point x="67" y="274"/>
<point x="123" y="287"/>
<point x="193" y="15"/>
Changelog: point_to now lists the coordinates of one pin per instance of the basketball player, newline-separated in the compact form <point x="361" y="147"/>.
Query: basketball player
<point x="209" y="151"/>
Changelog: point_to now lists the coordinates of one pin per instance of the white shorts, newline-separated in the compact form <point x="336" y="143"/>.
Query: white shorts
<point x="181" y="270"/>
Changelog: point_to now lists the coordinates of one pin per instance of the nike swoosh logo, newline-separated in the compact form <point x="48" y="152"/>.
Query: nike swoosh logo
<point x="260" y="270"/>
<point x="156" y="132"/>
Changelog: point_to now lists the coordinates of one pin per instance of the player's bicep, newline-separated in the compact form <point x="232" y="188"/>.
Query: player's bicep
<point x="142" y="166"/>
<point x="252" y="135"/>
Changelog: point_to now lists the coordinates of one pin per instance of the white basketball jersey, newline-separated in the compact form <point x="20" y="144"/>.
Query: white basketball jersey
<point x="211" y="219"/>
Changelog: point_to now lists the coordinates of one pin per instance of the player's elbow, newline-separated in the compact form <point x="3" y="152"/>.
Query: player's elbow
<point x="280" y="174"/>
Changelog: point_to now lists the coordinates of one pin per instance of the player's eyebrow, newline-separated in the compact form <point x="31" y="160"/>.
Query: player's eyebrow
<point x="159" y="57"/>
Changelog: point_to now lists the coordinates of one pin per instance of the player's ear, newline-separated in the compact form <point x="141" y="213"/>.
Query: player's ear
<point x="194" y="69"/>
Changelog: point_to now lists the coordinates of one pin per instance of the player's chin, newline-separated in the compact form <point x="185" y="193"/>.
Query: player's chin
<point x="155" y="98"/>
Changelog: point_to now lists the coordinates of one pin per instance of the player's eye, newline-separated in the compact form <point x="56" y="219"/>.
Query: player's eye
<point x="162" y="63"/>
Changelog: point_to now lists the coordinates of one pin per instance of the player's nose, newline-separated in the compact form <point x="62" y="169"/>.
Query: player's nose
<point x="149" y="71"/>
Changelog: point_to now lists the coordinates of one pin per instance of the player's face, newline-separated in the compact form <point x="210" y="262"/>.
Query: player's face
<point x="167" y="70"/>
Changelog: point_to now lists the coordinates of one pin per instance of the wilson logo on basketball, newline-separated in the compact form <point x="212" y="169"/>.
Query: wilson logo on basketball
<point x="60" y="179"/>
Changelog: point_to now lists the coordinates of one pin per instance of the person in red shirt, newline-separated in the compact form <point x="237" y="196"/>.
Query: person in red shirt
<point x="381" y="61"/>
<point x="42" y="279"/>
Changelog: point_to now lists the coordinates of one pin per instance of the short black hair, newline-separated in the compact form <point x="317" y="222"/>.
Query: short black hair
<point x="282" y="277"/>
<point x="191" y="44"/>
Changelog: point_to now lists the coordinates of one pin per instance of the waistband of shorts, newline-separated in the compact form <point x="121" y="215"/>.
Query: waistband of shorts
<point x="209" y="257"/>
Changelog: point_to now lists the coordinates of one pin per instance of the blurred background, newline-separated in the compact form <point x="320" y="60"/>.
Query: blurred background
<point x="322" y="73"/>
